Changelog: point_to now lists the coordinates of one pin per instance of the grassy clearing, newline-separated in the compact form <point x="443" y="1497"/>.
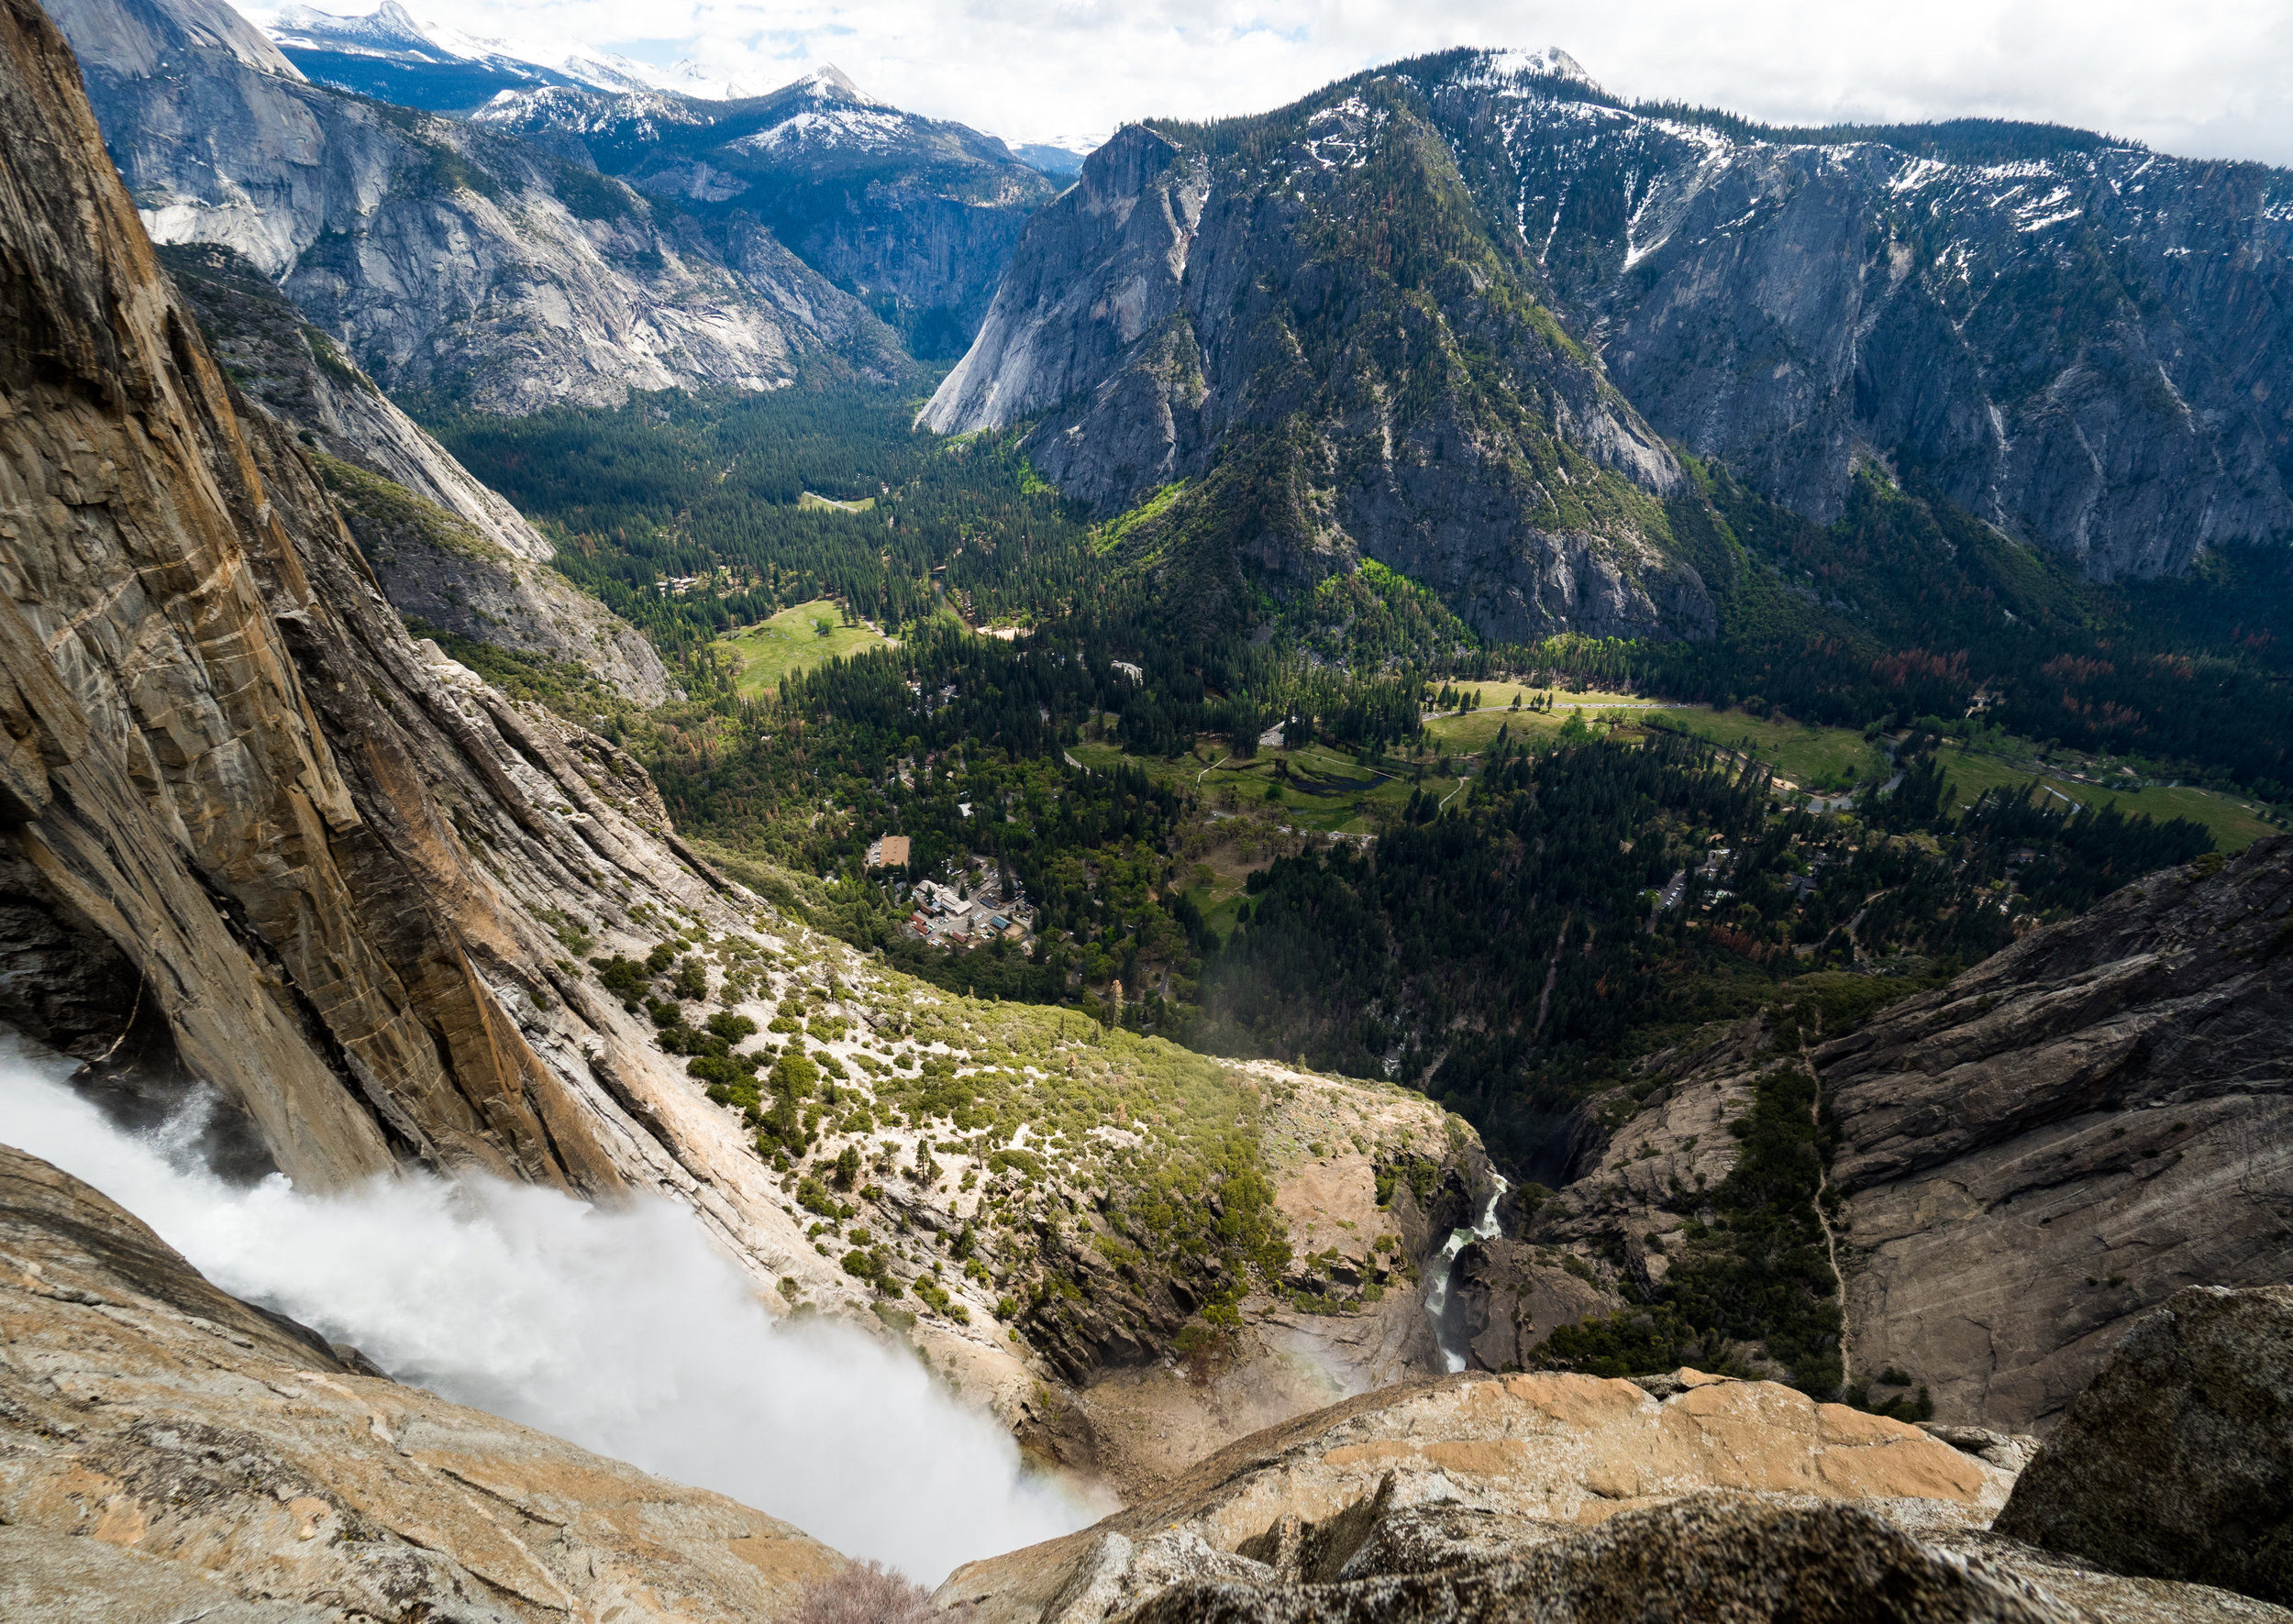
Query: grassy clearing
<point x="1316" y="787"/>
<point x="1325" y="790"/>
<point x="2236" y="823"/>
<point x="793" y="641"/>
<point x="1823" y="759"/>
<point x="813" y="498"/>
<point x="1819" y="758"/>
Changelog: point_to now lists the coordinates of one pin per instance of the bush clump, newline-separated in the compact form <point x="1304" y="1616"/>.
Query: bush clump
<point x="867" y="1593"/>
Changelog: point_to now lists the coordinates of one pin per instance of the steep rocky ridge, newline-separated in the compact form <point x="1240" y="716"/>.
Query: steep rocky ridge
<point x="2083" y="342"/>
<point x="1307" y="316"/>
<point x="2020" y="1164"/>
<point x="167" y="1452"/>
<point x="255" y="836"/>
<point x="1564" y="1498"/>
<point x="443" y="256"/>
<point x="446" y="548"/>
<point x="915" y="215"/>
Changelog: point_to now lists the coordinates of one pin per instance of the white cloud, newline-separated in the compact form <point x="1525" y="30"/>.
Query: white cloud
<point x="2205" y="78"/>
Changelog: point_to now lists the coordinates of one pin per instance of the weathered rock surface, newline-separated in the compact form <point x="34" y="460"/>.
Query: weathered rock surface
<point x="2032" y="1158"/>
<point x="1564" y="1498"/>
<point x="1322" y="333"/>
<point x="1558" y="1450"/>
<point x="2067" y="1135"/>
<point x="2081" y="341"/>
<point x="445" y="547"/>
<point x="250" y="834"/>
<point x="2177" y="1462"/>
<point x="443" y="256"/>
<point x="167" y="1452"/>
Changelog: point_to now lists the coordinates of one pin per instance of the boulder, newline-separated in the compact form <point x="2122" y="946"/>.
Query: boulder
<point x="2177" y="1463"/>
<point x="1547" y="1453"/>
<point x="1698" y="1560"/>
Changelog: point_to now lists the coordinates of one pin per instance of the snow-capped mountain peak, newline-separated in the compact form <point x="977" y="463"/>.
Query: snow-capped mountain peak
<point x="1552" y="62"/>
<point x="392" y="33"/>
<point x="831" y="83"/>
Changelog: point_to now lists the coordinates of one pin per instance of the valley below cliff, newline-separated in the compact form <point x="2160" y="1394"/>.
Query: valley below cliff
<point x="1075" y="1004"/>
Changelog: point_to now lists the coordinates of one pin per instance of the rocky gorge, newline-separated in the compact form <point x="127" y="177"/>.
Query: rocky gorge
<point x="2019" y="1165"/>
<point x="172" y="1450"/>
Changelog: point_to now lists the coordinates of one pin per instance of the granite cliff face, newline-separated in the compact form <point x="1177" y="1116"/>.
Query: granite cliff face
<point x="2083" y="344"/>
<point x="916" y="216"/>
<point x="1307" y="317"/>
<point x="445" y="258"/>
<point x="253" y="834"/>
<point x="445" y="547"/>
<point x="167" y="1452"/>
<point x="2022" y="1164"/>
<point x="2070" y="1134"/>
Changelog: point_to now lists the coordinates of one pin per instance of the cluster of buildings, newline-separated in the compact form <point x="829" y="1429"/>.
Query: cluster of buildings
<point x="948" y="918"/>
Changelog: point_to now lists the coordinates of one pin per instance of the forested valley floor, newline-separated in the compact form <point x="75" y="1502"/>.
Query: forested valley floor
<point x="1343" y="829"/>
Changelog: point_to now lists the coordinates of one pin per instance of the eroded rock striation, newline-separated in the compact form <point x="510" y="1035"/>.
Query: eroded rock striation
<point x="253" y="833"/>
<point x="2068" y="1135"/>
<point x="446" y="548"/>
<point x="167" y="1452"/>
<point x="2022" y="1164"/>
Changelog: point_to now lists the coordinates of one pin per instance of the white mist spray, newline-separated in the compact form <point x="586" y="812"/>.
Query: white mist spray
<point x="623" y="1330"/>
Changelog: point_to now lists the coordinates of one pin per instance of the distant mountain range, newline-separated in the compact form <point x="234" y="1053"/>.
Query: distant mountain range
<point x="388" y="55"/>
<point x="916" y="216"/>
<point x="1458" y="315"/>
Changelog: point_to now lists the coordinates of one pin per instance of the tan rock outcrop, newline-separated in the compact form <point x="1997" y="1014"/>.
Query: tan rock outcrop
<point x="1564" y="1499"/>
<point x="1558" y="1449"/>
<point x="166" y="1449"/>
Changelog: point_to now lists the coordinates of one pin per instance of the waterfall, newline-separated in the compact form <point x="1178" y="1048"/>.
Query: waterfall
<point x="1438" y="1294"/>
<point x="620" y="1327"/>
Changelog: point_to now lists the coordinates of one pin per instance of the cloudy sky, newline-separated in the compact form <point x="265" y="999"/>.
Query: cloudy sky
<point x="2206" y="78"/>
